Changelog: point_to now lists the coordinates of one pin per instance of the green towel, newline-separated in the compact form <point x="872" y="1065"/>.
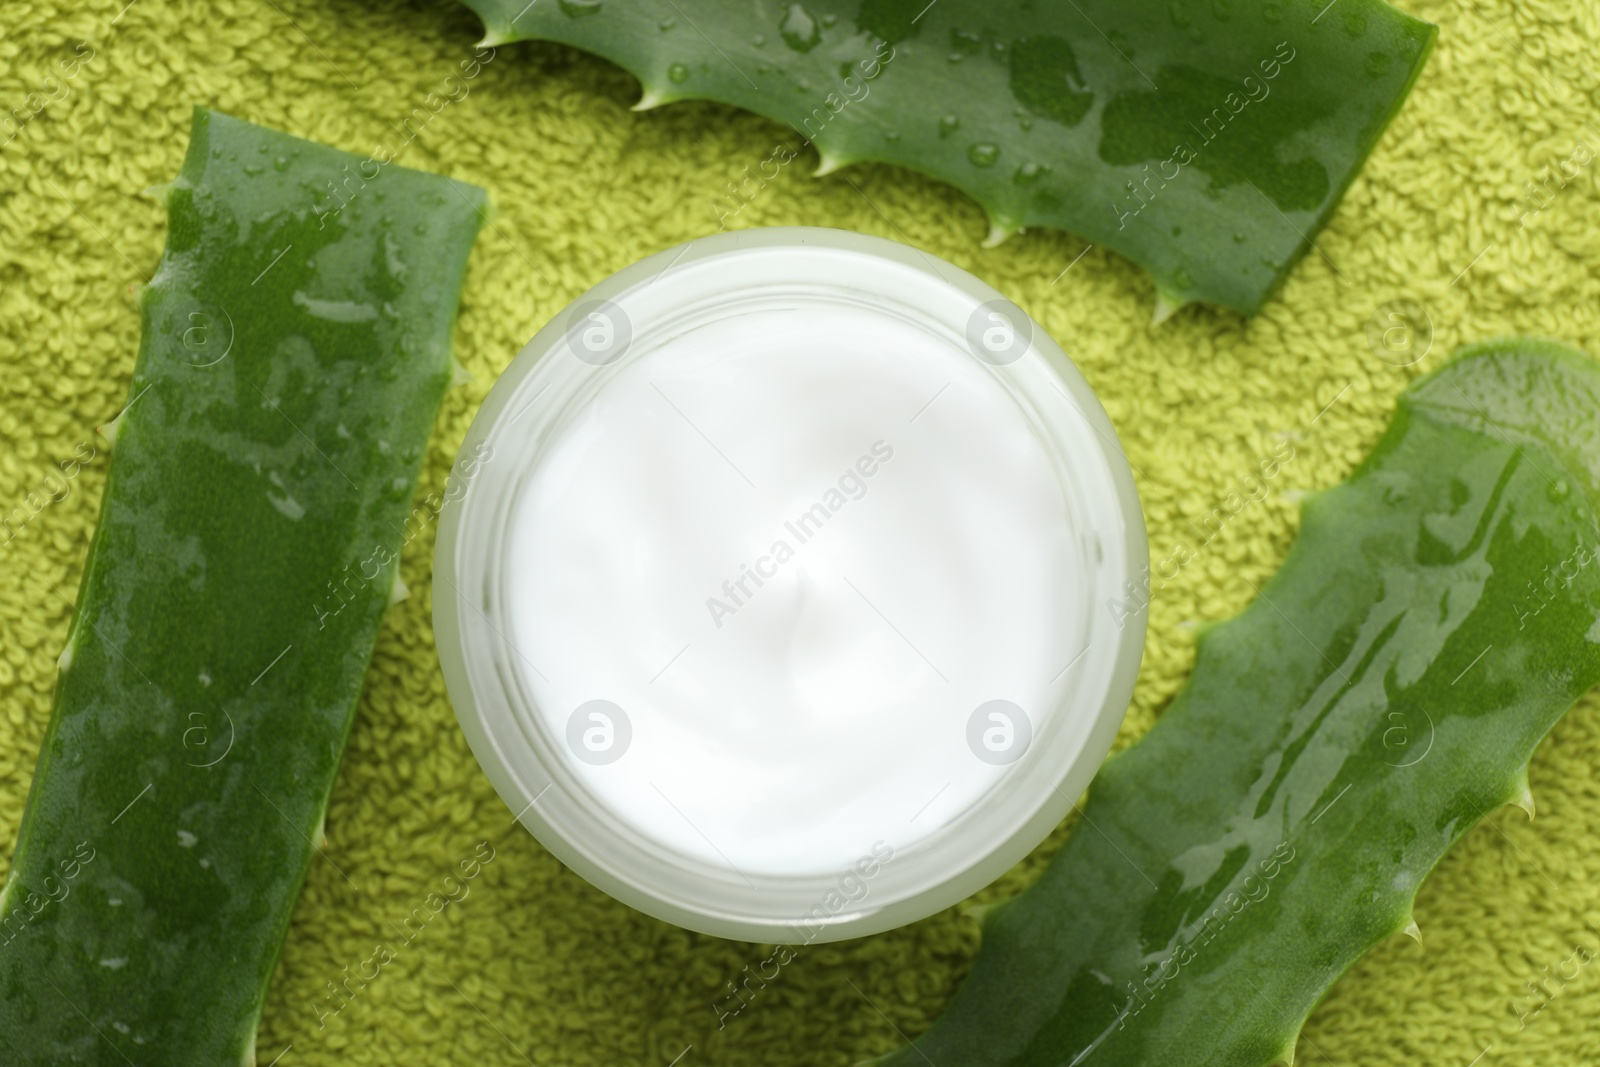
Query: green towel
<point x="534" y="966"/>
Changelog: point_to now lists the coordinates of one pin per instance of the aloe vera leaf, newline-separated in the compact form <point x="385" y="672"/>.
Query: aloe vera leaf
<point x="1437" y="614"/>
<point x="294" y="356"/>
<point x="1073" y="115"/>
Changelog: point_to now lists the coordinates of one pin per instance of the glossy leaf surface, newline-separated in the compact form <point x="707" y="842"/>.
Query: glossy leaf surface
<point x="1207" y="141"/>
<point x="296" y="346"/>
<point x="1437" y="614"/>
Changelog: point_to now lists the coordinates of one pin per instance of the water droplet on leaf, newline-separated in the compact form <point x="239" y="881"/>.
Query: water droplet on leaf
<point x="799" y="29"/>
<point x="983" y="154"/>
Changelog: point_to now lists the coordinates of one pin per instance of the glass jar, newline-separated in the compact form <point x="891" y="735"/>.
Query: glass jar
<point x="784" y="585"/>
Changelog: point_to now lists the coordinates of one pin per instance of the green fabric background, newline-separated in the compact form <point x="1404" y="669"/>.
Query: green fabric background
<point x="535" y="966"/>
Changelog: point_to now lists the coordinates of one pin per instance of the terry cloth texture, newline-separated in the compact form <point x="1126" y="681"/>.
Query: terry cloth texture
<point x="535" y="966"/>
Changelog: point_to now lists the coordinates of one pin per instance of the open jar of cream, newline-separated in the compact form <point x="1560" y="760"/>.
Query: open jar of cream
<point x="781" y="588"/>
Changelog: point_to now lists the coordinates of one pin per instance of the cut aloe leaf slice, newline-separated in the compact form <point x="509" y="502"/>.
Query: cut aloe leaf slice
<point x="296" y="347"/>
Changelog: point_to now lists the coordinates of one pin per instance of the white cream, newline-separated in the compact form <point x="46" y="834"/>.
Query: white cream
<point x="749" y="558"/>
<point x="783" y="727"/>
